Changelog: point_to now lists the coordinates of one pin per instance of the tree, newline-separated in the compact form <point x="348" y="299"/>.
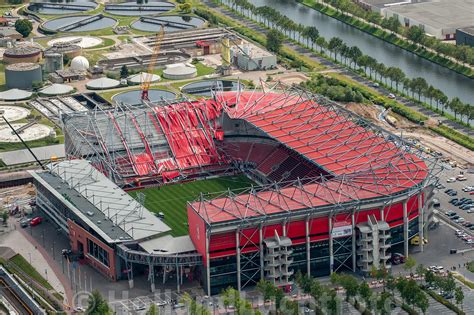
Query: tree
<point x="24" y="27"/>
<point x="459" y="296"/>
<point x="274" y="41"/>
<point x="396" y="75"/>
<point x="409" y="263"/>
<point x="321" y="42"/>
<point x="5" y="216"/>
<point x="455" y="105"/>
<point x="152" y="310"/>
<point x="232" y="297"/>
<point x="348" y="282"/>
<point x="193" y="308"/>
<point x="421" y="300"/>
<point x="185" y="7"/>
<point x="391" y="283"/>
<point x="365" y="292"/>
<point x="381" y="304"/>
<point x="124" y="72"/>
<point x="418" y="85"/>
<point x="354" y="54"/>
<point x="335" y="45"/>
<point x="97" y="305"/>
<point x="270" y="291"/>
<point x="415" y="34"/>
<point x="430" y="277"/>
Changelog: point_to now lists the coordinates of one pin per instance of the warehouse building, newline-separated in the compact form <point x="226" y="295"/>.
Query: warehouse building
<point x="438" y="18"/>
<point x="465" y="36"/>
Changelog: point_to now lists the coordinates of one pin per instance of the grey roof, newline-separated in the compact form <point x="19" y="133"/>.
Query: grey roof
<point x="441" y="14"/>
<point x="102" y="84"/>
<point x="15" y="95"/>
<point x="24" y="156"/>
<point x="168" y="245"/>
<point x="468" y="30"/>
<point x="100" y="203"/>
<point x="57" y="89"/>
<point x="5" y="32"/>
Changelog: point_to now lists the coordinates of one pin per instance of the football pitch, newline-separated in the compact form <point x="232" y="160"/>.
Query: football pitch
<point x="172" y="199"/>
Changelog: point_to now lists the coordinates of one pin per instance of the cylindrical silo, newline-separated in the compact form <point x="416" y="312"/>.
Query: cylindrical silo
<point x="22" y="75"/>
<point x="53" y="62"/>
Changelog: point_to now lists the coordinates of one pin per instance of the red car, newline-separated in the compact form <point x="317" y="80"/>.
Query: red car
<point x="36" y="221"/>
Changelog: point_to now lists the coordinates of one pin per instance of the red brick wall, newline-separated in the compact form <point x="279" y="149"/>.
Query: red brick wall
<point x="78" y="234"/>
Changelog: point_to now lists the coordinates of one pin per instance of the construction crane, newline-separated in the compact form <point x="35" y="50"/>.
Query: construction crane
<point x="148" y="76"/>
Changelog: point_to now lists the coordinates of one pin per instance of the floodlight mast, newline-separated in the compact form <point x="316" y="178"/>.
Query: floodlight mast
<point x="146" y="78"/>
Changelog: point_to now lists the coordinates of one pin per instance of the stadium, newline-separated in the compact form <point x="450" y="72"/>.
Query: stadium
<point x="242" y="186"/>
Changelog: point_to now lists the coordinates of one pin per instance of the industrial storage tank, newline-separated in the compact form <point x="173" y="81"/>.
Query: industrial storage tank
<point x="22" y="54"/>
<point x="53" y="62"/>
<point x="67" y="49"/>
<point x="22" y="75"/>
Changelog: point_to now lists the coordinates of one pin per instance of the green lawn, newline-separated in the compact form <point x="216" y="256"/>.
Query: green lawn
<point x="172" y="199"/>
<point x="28" y="269"/>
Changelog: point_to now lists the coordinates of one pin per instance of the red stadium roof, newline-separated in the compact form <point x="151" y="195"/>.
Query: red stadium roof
<point x="365" y="162"/>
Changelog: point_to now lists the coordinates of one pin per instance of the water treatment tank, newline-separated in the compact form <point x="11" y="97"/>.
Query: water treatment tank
<point x="22" y="75"/>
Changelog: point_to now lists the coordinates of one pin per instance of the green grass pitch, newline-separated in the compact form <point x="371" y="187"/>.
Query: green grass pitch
<point x="172" y="199"/>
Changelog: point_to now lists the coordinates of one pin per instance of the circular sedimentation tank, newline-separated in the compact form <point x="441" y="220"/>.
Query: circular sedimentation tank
<point x="171" y="23"/>
<point x="80" y="23"/>
<point x="81" y="41"/>
<point x="35" y="132"/>
<point x="180" y="71"/>
<point x="137" y="8"/>
<point x="13" y="113"/>
<point x="205" y="87"/>
<point x="61" y="7"/>
<point x="134" y="97"/>
<point x="22" y="54"/>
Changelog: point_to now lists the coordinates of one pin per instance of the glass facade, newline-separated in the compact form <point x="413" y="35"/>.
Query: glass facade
<point x="98" y="253"/>
<point x="223" y="273"/>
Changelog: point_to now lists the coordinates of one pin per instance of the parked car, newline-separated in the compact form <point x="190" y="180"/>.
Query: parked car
<point x="25" y="222"/>
<point x="35" y="221"/>
<point x="398" y="258"/>
<point x="454" y="217"/>
<point x="450" y="213"/>
<point x="453" y="200"/>
<point x="451" y="180"/>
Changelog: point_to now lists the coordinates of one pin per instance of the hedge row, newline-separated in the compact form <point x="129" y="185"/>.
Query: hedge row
<point x="456" y="136"/>
<point x="445" y="302"/>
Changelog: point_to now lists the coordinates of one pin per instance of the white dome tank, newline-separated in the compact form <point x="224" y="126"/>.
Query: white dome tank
<point x="80" y="63"/>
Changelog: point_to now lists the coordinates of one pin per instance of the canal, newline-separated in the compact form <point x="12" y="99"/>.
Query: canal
<point x="451" y="83"/>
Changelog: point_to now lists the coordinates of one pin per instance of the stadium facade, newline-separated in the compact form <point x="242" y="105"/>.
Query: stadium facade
<point x="333" y="191"/>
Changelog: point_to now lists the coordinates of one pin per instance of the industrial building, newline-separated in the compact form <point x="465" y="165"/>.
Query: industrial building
<point x="465" y="36"/>
<point x="438" y="18"/>
<point x="250" y="57"/>
<point x="332" y="191"/>
<point x="23" y="75"/>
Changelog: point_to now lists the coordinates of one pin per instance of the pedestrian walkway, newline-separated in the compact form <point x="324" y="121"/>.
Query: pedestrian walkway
<point x="330" y="64"/>
<point x="19" y="242"/>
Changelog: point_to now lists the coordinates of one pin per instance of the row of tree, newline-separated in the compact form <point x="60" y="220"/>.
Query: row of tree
<point x="351" y="56"/>
<point x="415" y="33"/>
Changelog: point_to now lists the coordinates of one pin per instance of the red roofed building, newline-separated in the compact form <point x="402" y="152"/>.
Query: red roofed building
<point x="337" y="181"/>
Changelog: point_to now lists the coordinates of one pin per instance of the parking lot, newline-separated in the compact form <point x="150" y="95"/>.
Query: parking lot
<point x="457" y="187"/>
